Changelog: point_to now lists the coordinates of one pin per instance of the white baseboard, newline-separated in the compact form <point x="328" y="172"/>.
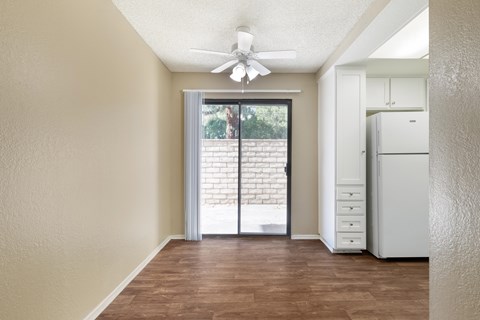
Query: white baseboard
<point x="305" y="237"/>
<point x="177" y="237"/>
<point x="106" y="302"/>
<point x="327" y="245"/>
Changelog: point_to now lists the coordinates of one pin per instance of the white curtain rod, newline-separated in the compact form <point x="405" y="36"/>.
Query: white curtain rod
<point x="244" y="91"/>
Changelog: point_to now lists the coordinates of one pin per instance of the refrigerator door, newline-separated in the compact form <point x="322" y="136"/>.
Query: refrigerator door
<point x="402" y="132"/>
<point x="403" y="205"/>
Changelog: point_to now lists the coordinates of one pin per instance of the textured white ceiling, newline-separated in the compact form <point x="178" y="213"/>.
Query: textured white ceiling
<point x="314" y="28"/>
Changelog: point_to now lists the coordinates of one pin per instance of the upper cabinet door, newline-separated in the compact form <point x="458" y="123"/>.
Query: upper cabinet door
<point x="378" y="93"/>
<point x="350" y="126"/>
<point x="407" y="93"/>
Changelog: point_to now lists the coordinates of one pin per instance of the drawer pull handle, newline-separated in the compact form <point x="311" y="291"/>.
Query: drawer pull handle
<point x="351" y="208"/>
<point x="351" y="224"/>
<point x="351" y="241"/>
<point x="351" y="194"/>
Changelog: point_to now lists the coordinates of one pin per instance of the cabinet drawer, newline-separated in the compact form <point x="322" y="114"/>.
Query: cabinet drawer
<point x="351" y="224"/>
<point x="351" y="207"/>
<point x="351" y="193"/>
<point x="350" y="240"/>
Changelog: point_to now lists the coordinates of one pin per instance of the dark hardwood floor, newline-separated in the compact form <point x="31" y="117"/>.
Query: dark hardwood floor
<point x="272" y="278"/>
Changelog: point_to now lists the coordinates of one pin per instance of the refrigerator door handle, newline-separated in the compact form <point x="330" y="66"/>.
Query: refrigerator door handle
<point x="379" y="167"/>
<point x="378" y="140"/>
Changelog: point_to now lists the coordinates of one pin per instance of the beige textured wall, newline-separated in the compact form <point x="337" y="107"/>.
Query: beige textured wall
<point x="304" y="153"/>
<point x="83" y="155"/>
<point x="455" y="160"/>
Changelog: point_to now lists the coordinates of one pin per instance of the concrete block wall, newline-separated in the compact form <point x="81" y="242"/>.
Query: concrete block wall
<point x="263" y="177"/>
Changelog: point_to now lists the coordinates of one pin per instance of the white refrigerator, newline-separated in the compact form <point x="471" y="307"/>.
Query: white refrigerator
<point x="397" y="184"/>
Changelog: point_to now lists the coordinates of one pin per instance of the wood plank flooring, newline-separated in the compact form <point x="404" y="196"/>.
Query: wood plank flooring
<point x="272" y="278"/>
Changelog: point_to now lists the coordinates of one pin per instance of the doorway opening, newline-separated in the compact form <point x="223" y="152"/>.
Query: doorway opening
<point x="246" y="167"/>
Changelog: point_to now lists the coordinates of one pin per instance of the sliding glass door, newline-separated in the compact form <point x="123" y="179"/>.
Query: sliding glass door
<point x="219" y="188"/>
<point x="246" y="156"/>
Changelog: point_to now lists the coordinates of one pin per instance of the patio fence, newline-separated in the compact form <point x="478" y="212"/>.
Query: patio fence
<point x="263" y="177"/>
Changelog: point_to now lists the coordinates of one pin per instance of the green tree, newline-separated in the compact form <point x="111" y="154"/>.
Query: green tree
<point x="264" y="122"/>
<point x="215" y="129"/>
<point x="254" y="128"/>
<point x="257" y="122"/>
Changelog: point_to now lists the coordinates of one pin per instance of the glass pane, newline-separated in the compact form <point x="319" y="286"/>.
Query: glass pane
<point x="220" y="169"/>
<point x="264" y="133"/>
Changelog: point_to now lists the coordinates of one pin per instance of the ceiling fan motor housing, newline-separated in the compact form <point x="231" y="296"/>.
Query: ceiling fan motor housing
<point x="239" y="53"/>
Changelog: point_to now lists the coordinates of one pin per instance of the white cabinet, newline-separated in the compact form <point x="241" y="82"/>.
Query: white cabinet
<point x="351" y="223"/>
<point x="408" y="93"/>
<point x="350" y="127"/>
<point x="351" y="207"/>
<point x="350" y="240"/>
<point x="342" y="116"/>
<point x="396" y="94"/>
<point x="378" y="93"/>
<point x="350" y="193"/>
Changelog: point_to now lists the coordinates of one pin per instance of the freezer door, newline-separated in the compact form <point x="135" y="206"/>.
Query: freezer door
<point x="403" y="206"/>
<point x="402" y="132"/>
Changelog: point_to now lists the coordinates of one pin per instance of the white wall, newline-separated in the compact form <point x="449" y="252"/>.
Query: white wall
<point x="326" y="155"/>
<point x="397" y="67"/>
<point x="84" y="155"/>
<point x="455" y="159"/>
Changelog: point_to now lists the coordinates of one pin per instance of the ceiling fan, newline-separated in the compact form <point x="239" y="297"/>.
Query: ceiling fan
<point x="245" y="58"/>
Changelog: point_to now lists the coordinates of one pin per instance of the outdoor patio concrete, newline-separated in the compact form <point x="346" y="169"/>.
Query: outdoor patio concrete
<point x="222" y="219"/>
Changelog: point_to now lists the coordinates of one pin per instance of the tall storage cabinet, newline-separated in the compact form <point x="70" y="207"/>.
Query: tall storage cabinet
<point x="342" y="116"/>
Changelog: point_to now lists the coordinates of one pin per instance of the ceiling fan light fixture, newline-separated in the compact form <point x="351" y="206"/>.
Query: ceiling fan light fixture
<point x="252" y="73"/>
<point x="235" y="77"/>
<point x="239" y="70"/>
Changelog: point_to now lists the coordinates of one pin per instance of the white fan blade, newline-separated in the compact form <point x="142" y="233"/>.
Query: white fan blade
<point x="245" y="40"/>
<point x="224" y="66"/>
<point x="257" y="66"/>
<point x="284" y="54"/>
<point x="211" y="52"/>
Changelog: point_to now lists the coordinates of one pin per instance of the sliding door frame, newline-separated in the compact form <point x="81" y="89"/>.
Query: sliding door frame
<point x="288" y="167"/>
